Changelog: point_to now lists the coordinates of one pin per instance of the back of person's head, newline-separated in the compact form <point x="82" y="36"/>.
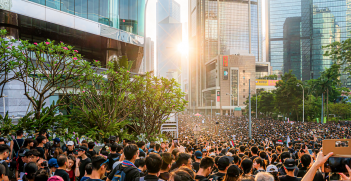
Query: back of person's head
<point x="140" y="162"/>
<point x="166" y="160"/>
<point x="114" y="147"/>
<point x="61" y="160"/>
<point x="153" y="163"/>
<point x="91" y="145"/>
<point x="57" y="152"/>
<point x="206" y="162"/>
<point x="263" y="154"/>
<point x="19" y="132"/>
<point x="175" y="153"/>
<point x="236" y="159"/>
<point x="98" y="161"/>
<point x="242" y="148"/>
<point x="284" y="156"/>
<point x="246" y="165"/>
<point x="290" y="144"/>
<point x="40" y="139"/>
<point x="4" y="148"/>
<point x="274" y="158"/>
<point x="140" y="144"/>
<point x="181" y="175"/>
<point x="260" y="161"/>
<point x="254" y="150"/>
<point x="183" y="159"/>
<point x="264" y="176"/>
<point x="89" y="168"/>
<point x="30" y="169"/>
<point x="130" y="151"/>
<point x="158" y="146"/>
<point x="188" y="170"/>
<point x="279" y="148"/>
<point x="152" y="145"/>
<point x="41" y="175"/>
<point x="306" y="160"/>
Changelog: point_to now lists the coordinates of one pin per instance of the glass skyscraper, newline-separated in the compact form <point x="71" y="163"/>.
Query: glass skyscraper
<point x="216" y="27"/>
<point x="299" y="29"/>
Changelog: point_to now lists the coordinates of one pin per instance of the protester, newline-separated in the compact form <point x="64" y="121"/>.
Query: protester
<point x="4" y="154"/>
<point x="99" y="165"/>
<point x="153" y="165"/>
<point x="30" y="169"/>
<point x="88" y="171"/>
<point x="205" y="169"/>
<point x="84" y="160"/>
<point x="62" y="162"/>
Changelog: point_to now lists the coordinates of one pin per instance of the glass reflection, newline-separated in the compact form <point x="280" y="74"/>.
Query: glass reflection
<point x="67" y="6"/>
<point x="81" y="8"/>
<point x="93" y="10"/>
<point x="53" y="4"/>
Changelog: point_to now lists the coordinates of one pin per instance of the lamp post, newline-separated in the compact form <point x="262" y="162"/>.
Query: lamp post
<point x="211" y="109"/>
<point x="303" y="101"/>
<point x="249" y="109"/>
<point x="205" y="103"/>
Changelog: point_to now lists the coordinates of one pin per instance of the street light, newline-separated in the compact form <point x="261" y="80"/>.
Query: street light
<point x="303" y="101"/>
<point x="205" y="103"/>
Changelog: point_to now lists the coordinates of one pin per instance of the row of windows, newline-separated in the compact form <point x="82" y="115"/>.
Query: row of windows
<point x="127" y="15"/>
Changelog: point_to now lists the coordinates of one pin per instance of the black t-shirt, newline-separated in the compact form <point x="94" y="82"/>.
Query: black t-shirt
<point x="63" y="174"/>
<point x="41" y="151"/>
<point x="217" y="175"/>
<point x="302" y="172"/>
<point x="130" y="171"/>
<point x="17" y="143"/>
<point x="241" y="155"/>
<point x="201" y="178"/>
<point x="70" y="152"/>
<point x="196" y="166"/>
<point x="91" y="153"/>
<point x="3" y="162"/>
<point x="112" y="158"/>
<point x="288" y="178"/>
<point x="253" y="158"/>
<point x="82" y="165"/>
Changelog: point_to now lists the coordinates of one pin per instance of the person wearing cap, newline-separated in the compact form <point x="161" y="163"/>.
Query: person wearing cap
<point x="20" y="161"/>
<point x="273" y="170"/>
<point x="70" y="148"/>
<point x="204" y="152"/>
<point x="206" y="166"/>
<point x="84" y="160"/>
<point x="53" y="165"/>
<point x="289" y="167"/>
<point x="196" y="164"/>
<point x="223" y="164"/>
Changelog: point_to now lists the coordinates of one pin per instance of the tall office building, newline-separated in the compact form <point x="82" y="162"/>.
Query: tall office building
<point x="217" y="27"/>
<point x="148" y="63"/>
<point x="299" y="29"/>
<point x="168" y="37"/>
<point x="99" y="29"/>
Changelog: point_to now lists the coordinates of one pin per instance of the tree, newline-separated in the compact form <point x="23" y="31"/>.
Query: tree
<point x="159" y="98"/>
<point x="8" y="63"/>
<point x="47" y="68"/>
<point x="288" y="95"/>
<point x="312" y="107"/>
<point x="105" y="102"/>
<point x="266" y="103"/>
<point x="340" y="53"/>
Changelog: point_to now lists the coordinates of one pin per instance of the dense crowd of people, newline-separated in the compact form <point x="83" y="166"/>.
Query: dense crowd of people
<point x="217" y="148"/>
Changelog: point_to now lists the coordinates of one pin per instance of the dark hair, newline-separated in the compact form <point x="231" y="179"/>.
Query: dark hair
<point x="41" y="175"/>
<point x="27" y="142"/>
<point x="290" y="143"/>
<point x="91" y="145"/>
<point x="40" y="139"/>
<point x="175" y="153"/>
<point x="254" y="150"/>
<point x="4" y="148"/>
<point x="153" y="163"/>
<point x="258" y="160"/>
<point x="140" y="144"/>
<point x="30" y="169"/>
<point x="57" y="152"/>
<point x="263" y="154"/>
<point x="19" y="133"/>
<point x="242" y="148"/>
<point x="181" y="175"/>
<point x="71" y="157"/>
<point x="246" y="165"/>
<point x="166" y="160"/>
<point x="89" y="168"/>
<point x="114" y="147"/>
<point x="61" y="160"/>
<point x="206" y="162"/>
<point x="97" y="161"/>
<point x="158" y="146"/>
<point x="183" y="158"/>
<point x="284" y="156"/>
<point x="140" y="162"/>
<point x="106" y="140"/>
<point x="306" y="160"/>
<point x="275" y="175"/>
<point x="274" y="158"/>
<point x="237" y="159"/>
<point x="130" y="151"/>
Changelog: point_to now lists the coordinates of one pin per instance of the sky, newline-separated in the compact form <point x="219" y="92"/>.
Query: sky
<point x="151" y="17"/>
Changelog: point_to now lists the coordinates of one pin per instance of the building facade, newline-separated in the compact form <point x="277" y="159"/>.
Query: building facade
<point x="216" y="27"/>
<point x="148" y="64"/>
<point x="299" y="29"/>
<point x="168" y="37"/>
<point x="101" y="30"/>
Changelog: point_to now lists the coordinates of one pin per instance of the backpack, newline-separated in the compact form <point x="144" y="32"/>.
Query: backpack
<point x="216" y="178"/>
<point x="120" y="175"/>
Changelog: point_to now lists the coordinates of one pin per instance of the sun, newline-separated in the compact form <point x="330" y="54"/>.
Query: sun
<point x="183" y="48"/>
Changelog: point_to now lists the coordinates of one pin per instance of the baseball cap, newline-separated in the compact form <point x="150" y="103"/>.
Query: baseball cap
<point x="198" y="154"/>
<point x="272" y="168"/>
<point x="204" y="150"/>
<point x="290" y="164"/>
<point x="70" y="143"/>
<point x="233" y="171"/>
<point x="223" y="163"/>
<point x="22" y="152"/>
<point x="213" y="155"/>
<point x="113" y="138"/>
<point x="57" y="140"/>
<point x="53" y="163"/>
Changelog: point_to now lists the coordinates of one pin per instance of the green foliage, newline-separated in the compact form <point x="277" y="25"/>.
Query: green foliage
<point x="159" y="98"/>
<point x="340" y="110"/>
<point x="6" y="126"/>
<point x="106" y="102"/>
<point x="270" y="77"/>
<point x="122" y="63"/>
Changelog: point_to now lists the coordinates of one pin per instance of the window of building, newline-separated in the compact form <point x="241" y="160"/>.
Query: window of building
<point x="243" y="90"/>
<point x="243" y="96"/>
<point x="81" y="8"/>
<point x="67" y="6"/>
<point x="234" y="87"/>
<point x="243" y="71"/>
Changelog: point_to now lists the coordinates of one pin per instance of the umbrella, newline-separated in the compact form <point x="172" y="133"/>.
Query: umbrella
<point x="197" y="114"/>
